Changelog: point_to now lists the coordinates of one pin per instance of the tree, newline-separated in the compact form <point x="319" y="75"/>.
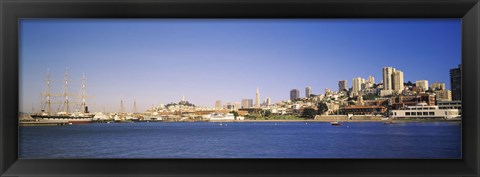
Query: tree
<point x="322" y="108"/>
<point x="267" y="113"/>
<point x="309" y="113"/>
<point x="235" y="114"/>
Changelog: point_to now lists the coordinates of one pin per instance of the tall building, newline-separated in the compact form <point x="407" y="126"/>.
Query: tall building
<point x="422" y="84"/>
<point x="308" y="91"/>
<point x="342" y="85"/>
<point x="218" y="104"/>
<point x="369" y="83"/>
<point x="294" y="94"/>
<point x="456" y="82"/>
<point x="357" y="85"/>
<point x="387" y="73"/>
<point x="257" y="99"/>
<point x="247" y="103"/>
<point x="397" y="81"/>
<point x="268" y="101"/>
<point x="438" y="86"/>
<point x="371" y="79"/>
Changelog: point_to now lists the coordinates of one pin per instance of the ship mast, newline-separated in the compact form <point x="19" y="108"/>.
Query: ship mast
<point x="83" y="94"/>
<point x="134" y="105"/>
<point x="66" y="90"/>
<point x="47" y="94"/>
<point x="121" y="106"/>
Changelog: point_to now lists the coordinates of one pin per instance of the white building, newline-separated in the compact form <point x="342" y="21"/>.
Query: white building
<point x="357" y="85"/>
<point x="387" y="73"/>
<point x="398" y="81"/>
<point x="422" y="84"/>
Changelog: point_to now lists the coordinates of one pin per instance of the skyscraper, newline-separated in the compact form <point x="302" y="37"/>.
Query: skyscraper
<point x="218" y="104"/>
<point x="456" y="82"/>
<point x="398" y="81"/>
<point x="267" y="101"/>
<point x="308" y="91"/>
<point x="247" y="103"/>
<point x="357" y="85"/>
<point x="371" y="79"/>
<point x="387" y="73"/>
<point x="294" y="94"/>
<point x="257" y="99"/>
<point x="342" y="85"/>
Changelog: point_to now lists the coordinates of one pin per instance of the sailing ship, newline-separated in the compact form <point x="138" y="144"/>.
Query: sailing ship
<point x="74" y="117"/>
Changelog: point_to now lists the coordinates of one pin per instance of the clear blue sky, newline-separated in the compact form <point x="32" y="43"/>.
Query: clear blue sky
<point x="158" y="61"/>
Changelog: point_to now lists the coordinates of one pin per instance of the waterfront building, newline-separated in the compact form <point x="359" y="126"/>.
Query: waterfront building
<point x="424" y="111"/>
<point x="400" y="101"/>
<point x="308" y="91"/>
<point x="387" y="73"/>
<point x="438" y="86"/>
<point x="444" y="95"/>
<point x="422" y="85"/>
<point x="357" y="85"/>
<point x="398" y="81"/>
<point x="456" y="82"/>
<point x="342" y="85"/>
<point x="365" y="110"/>
<point x="218" y="104"/>
<point x="456" y="104"/>
<point x="247" y="103"/>
<point x="294" y="94"/>
<point x="257" y="99"/>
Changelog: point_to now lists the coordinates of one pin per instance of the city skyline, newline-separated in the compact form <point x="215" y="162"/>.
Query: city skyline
<point x="159" y="78"/>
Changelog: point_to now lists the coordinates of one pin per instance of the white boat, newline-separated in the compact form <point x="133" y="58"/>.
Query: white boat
<point x="424" y="111"/>
<point x="100" y="117"/>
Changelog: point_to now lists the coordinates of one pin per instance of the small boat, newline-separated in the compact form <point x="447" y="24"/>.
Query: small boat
<point x="335" y="123"/>
<point x="389" y="122"/>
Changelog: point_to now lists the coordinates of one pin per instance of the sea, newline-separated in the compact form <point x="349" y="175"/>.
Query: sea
<point x="357" y="140"/>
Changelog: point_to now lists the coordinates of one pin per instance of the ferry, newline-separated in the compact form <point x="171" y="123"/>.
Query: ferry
<point x="424" y="111"/>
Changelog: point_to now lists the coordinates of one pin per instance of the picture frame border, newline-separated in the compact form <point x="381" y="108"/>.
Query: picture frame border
<point x="11" y="11"/>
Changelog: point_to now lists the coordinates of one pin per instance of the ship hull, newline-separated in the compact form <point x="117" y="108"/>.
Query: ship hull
<point x="69" y="119"/>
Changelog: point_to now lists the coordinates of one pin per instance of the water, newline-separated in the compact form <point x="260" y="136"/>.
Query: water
<point x="243" y="140"/>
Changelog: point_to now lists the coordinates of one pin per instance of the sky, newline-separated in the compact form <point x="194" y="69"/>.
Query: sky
<point x="157" y="61"/>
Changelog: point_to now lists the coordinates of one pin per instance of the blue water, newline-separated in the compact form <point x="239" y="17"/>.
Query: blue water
<point x="243" y="140"/>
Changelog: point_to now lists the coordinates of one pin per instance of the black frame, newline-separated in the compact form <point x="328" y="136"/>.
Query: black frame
<point x="12" y="10"/>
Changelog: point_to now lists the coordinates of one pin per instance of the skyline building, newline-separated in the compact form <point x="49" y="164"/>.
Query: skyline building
<point x="438" y="86"/>
<point x="247" y="103"/>
<point x="294" y="94"/>
<point x="342" y="85"/>
<point x="387" y="73"/>
<point x="308" y="91"/>
<point x="357" y="85"/>
<point x="398" y="81"/>
<point x="268" y="101"/>
<point x="218" y="104"/>
<point x="422" y="84"/>
<point x="257" y="99"/>
<point x="443" y="95"/>
<point x="456" y="82"/>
